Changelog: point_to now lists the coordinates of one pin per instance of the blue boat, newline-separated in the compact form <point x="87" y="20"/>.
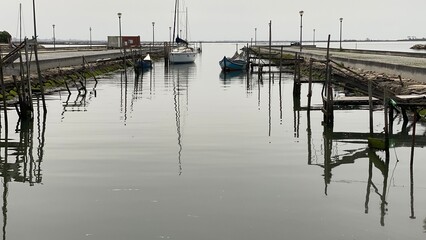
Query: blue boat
<point x="235" y="63"/>
<point x="144" y="64"/>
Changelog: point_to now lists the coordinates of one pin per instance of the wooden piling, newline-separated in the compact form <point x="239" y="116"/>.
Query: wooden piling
<point x="2" y="83"/>
<point x="310" y="85"/>
<point x="370" y="104"/>
<point x="296" y="81"/>
<point x="40" y="78"/>
<point x="270" y="47"/>
<point x="416" y="116"/>
<point x="386" y="105"/>
<point x="329" y="115"/>
<point x="281" y="62"/>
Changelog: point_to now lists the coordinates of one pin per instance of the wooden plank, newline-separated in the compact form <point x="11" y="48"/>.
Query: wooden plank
<point x="411" y="96"/>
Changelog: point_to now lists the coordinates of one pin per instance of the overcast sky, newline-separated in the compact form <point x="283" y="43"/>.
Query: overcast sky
<point x="219" y="19"/>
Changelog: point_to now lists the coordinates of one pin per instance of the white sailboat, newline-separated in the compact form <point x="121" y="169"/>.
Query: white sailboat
<point x="182" y="53"/>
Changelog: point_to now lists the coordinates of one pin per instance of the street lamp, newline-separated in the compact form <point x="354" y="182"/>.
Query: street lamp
<point x="301" y="17"/>
<point x="314" y="38"/>
<point x="255" y="36"/>
<point x="170" y="35"/>
<point x="341" y="20"/>
<point x="90" y="39"/>
<point x="119" y="29"/>
<point x="54" y="40"/>
<point x="153" y="23"/>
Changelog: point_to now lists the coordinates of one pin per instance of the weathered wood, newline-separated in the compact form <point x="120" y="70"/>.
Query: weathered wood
<point x="310" y="85"/>
<point x="370" y="101"/>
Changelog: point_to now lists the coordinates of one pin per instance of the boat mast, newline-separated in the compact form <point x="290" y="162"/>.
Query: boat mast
<point x="174" y="20"/>
<point x="20" y="22"/>
<point x="177" y="17"/>
<point x="186" y="24"/>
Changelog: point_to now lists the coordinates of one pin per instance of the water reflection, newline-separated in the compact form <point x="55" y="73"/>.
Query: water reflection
<point x="346" y="148"/>
<point x="21" y="159"/>
<point x="341" y="148"/>
<point x="227" y="77"/>
<point x="79" y="102"/>
<point x="180" y="76"/>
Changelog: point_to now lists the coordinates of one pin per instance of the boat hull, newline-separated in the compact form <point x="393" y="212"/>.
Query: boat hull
<point x="182" y="57"/>
<point x="228" y="64"/>
<point x="143" y="65"/>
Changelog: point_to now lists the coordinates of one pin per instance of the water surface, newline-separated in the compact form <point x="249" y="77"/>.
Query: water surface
<point x="187" y="153"/>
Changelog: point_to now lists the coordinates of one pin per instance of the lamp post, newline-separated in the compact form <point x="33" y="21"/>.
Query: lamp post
<point x="314" y="38"/>
<point x="170" y="35"/>
<point x="153" y="23"/>
<point x="255" y="36"/>
<point x="301" y="26"/>
<point x="120" y="45"/>
<point x="54" y="40"/>
<point x="90" y="37"/>
<point x="341" y="20"/>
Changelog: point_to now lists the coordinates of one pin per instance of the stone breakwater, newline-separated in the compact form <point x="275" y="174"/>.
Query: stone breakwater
<point x="419" y="47"/>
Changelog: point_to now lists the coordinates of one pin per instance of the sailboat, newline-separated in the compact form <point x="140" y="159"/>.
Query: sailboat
<point x="182" y="53"/>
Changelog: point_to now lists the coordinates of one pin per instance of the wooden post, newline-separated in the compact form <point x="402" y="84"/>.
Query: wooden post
<point x="411" y="165"/>
<point x="370" y="103"/>
<point x="3" y="91"/>
<point x="295" y="66"/>
<point x="310" y="85"/>
<point x="281" y="62"/>
<point x="296" y="82"/>
<point x="40" y="80"/>
<point x="2" y="80"/>
<point x="248" y="57"/>
<point x="386" y="105"/>
<point x="329" y="102"/>
<point x="391" y="109"/>
<point x="270" y="46"/>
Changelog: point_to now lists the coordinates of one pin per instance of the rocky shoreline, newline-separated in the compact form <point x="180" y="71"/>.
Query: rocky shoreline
<point x="57" y="78"/>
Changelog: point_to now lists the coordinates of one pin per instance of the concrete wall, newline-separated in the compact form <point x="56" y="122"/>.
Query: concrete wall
<point x="62" y="62"/>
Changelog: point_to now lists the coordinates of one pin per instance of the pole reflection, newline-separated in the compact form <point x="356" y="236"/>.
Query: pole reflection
<point x="80" y="102"/>
<point x="355" y="147"/>
<point x="21" y="159"/>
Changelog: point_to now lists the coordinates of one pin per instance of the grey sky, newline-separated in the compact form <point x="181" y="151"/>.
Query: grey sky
<point x="220" y="19"/>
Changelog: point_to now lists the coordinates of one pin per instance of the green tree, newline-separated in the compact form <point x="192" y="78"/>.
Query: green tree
<point x="5" y="37"/>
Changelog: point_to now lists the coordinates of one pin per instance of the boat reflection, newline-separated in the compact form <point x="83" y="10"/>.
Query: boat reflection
<point x="230" y="75"/>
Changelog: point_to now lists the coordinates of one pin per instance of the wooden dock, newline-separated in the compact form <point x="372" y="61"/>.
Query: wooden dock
<point x="396" y="94"/>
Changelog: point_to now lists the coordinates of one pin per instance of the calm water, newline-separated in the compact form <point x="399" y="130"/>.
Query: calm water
<point x="184" y="153"/>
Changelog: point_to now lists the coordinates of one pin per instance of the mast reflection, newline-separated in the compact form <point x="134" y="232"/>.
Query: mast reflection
<point x="180" y="75"/>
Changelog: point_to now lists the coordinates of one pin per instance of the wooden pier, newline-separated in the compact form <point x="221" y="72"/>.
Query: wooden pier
<point x="393" y="93"/>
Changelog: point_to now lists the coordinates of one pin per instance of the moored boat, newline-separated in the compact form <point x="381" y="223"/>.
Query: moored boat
<point x="235" y="63"/>
<point x="144" y="64"/>
<point x="182" y="53"/>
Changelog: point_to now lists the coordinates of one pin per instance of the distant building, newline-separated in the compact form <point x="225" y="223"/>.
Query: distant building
<point x="128" y="41"/>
